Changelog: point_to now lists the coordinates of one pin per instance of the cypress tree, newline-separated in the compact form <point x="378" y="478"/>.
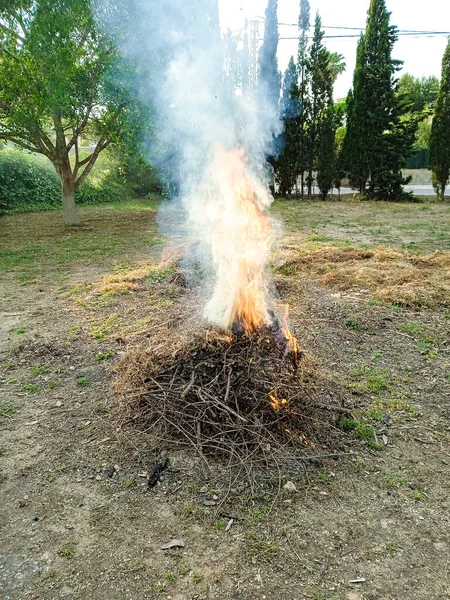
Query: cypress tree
<point x="354" y="157"/>
<point x="378" y="138"/>
<point x="321" y="101"/>
<point x="304" y="26"/>
<point x="269" y="76"/>
<point x="440" y="131"/>
<point x="326" y="164"/>
<point x="286" y="164"/>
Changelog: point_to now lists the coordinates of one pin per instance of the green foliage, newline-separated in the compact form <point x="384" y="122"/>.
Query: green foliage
<point x="320" y="125"/>
<point x="26" y="183"/>
<point x="60" y="80"/>
<point x="419" y="92"/>
<point x="286" y="171"/>
<point x="440" y="132"/>
<point x="380" y="128"/>
<point x="362" y="431"/>
<point x="310" y="118"/>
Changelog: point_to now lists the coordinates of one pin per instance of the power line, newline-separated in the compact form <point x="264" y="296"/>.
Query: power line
<point x="431" y="34"/>
<point x="399" y="31"/>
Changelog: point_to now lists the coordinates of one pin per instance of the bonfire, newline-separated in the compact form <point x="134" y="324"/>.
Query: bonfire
<point x="241" y="389"/>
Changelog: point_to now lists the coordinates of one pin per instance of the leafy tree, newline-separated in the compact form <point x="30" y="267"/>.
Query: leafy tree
<point x="337" y="65"/>
<point x="440" y="131"/>
<point x="379" y="135"/>
<point x="419" y="92"/>
<point x="58" y="86"/>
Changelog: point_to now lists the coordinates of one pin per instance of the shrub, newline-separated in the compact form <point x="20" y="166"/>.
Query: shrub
<point x="30" y="183"/>
<point x="27" y="183"/>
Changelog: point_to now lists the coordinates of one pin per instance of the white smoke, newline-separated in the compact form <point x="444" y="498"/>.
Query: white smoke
<point x="180" y="55"/>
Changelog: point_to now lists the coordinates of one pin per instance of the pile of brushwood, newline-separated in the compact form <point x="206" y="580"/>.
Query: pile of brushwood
<point x="243" y="398"/>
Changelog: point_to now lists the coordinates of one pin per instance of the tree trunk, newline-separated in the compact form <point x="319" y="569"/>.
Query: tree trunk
<point x="70" y="213"/>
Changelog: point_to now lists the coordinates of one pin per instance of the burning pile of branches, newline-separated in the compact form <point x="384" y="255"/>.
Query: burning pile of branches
<point x="244" y="392"/>
<point x="250" y="397"/>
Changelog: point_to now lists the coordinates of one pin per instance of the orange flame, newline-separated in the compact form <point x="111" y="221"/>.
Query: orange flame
<point x="240" y="236"/>
<point x="277" y="404"/>
<point x="240" y="243"/>
<point x="291" y="340"/>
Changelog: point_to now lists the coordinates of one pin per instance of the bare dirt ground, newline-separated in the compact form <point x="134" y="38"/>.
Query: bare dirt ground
<point x="369" y="291"/>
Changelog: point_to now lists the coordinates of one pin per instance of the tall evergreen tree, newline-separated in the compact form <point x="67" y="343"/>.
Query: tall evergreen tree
<point x="355" y="150"/>
<point x="269" y="76"/>
<point x="440" y="131"/>
<point x="378" y="138"/>
<point x="286" y="163"/>
<point x="304" y="26"/>
<point x="321" y="97"/>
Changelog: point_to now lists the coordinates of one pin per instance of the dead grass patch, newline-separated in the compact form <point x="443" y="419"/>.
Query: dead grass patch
<point x="395" y="276"/>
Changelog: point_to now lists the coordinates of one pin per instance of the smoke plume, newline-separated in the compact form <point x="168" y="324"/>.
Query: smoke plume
<point x="211" y="140"/>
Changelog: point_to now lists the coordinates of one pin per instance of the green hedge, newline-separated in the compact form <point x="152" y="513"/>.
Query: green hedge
<point x="27" y="183"/>
<point x="30" y="183"/>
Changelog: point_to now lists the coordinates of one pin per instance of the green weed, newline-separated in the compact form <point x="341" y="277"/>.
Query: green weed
<point x="323" y="477"/>
<point x="104" y="355"/>
<point x="36" y="371"/>
<point x="412" y="328"/>
<point x="67" y="552"/>
<point x="7" y="411"/>
<point x="361" y="431"/>
<point x="18" y="330"/>
<point x="395" y="480"/>
<point x="31" y="389"/>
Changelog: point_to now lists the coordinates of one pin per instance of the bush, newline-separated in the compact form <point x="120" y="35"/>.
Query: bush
<point x="30" y="183"/>
<point x="27" y="183"/>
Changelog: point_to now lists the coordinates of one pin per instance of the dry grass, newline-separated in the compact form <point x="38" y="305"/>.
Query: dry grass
<point x="392" y="275"/>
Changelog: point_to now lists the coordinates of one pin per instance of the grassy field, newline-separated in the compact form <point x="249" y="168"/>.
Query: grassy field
<point x="369" y="290"/>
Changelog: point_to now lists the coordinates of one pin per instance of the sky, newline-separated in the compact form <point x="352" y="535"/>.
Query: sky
<point x="421" y="55"/>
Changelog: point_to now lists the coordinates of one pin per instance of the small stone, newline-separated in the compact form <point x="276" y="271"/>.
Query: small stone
<point x="58" y="404"/>
<point x="71" y="368"/>
<point x="98" y="478"/>
<point x="215" y="497"/>
<point x="288" y="502"/>
<point x="290" y="486"/>
<point x="353" y="596"/>
<point x="116" y="468"/>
